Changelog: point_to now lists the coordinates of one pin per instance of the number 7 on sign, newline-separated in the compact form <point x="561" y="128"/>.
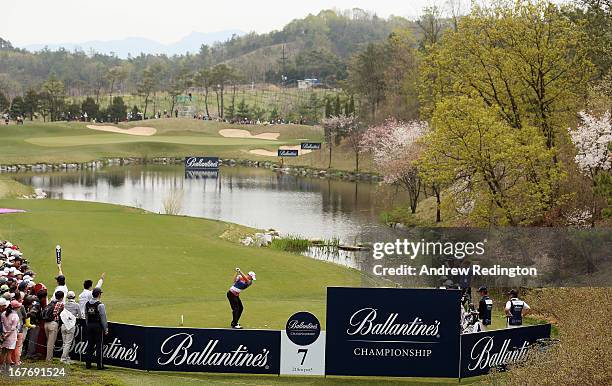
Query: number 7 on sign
<point x="300" y="351"/>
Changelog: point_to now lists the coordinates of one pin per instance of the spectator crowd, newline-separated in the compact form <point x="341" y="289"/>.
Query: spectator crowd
<point x="32" y="317"/>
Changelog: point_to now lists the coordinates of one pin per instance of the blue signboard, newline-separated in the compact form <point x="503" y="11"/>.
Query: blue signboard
<point x="287" y="153"/>
<point x="202" y="163"/>
<point x="184" y="349"/>
<point x="213" y="350"/>
<point x="311" y="145"/>
<point x="124" y="346"/>
<point x="393" y="332"/>
<point x="496" y="349"/>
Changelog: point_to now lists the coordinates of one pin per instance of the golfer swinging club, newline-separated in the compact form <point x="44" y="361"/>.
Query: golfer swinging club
<point x="241" y="282"/>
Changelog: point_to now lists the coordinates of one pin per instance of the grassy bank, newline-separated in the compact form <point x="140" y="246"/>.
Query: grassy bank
<point x="58" y="142"/>
<point x="161" y="267"/>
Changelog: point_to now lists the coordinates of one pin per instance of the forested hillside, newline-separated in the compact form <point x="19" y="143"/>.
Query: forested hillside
<point x="315" y="46"/>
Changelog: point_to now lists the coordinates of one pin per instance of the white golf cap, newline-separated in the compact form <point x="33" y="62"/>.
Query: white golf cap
<point x="252" y="274"/>
<point x="3" y="302"/>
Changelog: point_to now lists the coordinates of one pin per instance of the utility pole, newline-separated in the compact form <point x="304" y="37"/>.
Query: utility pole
<point x="284" y="62"/>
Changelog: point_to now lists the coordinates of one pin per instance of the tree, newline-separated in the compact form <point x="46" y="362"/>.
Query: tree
<point x="334" y="128"/>
<point x="354" y="134"/>
<point x="72" y="111"/>
<point x="337" y="106"/>
<point x="243" y="111"/>
<point x="17" y="107"/>
<point x="180" y="80"/>
<point x="328" y="108"/>
<point x="592" y="139"/>
<point x="401" y="76"/>
<point x="117" y="110"/>
<point x="367" y="76"/>
<point x="498" y="176"/>
<point x="222" y="74"/>
<point x="395" y="150"/>
<point x="4" y="102"/>
<point x="431" y="26"/>
<point x="526" y="59"/>
<point x="31" y="103"/>
<point x="595" y="16"/>
<point x="147" y="85"/>
<point x="54" y="93"/>
<point x="90" y="107"/>
<point x="204" y="79"/>
<point x="274" y="115"/>
<point x="114" y="76"/>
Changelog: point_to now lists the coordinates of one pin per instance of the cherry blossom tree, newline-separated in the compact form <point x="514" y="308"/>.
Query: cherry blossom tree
<point x="592" y="140"/>
<point x="395" y="149"/>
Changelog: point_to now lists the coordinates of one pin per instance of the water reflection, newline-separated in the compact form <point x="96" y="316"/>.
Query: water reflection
<point x="310" y="207"/>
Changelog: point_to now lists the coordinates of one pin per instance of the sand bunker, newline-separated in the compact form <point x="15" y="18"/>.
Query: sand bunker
<point x="239" y="133"/>
<point x="146" y="131"/>
<point x="268" y="153"/>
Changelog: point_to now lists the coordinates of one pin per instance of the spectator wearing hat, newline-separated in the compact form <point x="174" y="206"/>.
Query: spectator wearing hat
<point x="485" y="308"/>
<point x="10" y="326"/>
<point x="36" y="335"/>
<point x="52" y="321"/>
<point x="515" y="310"/>
<point x="21" y="312"/>
<point x="71" y="312"/>
<point x="241" y="282"/>
<point x="97" y="327"/>
<point x="86" y="295"/>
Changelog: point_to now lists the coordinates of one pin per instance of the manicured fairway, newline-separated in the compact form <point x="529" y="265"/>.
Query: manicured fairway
<point x="161" y="267"/>
<point x="57" y="142"/>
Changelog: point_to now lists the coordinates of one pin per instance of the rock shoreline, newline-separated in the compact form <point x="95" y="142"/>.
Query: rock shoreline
<point x="305" y="171"/>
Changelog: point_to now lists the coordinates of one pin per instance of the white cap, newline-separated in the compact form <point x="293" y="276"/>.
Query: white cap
<point x="252" y="274"/>
<point x="3" y="302"/>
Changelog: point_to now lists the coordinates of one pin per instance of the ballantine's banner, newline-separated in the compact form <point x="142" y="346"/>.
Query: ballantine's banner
<point x="124" y="346"/>
<point x="202" y="163"/>
<point x="485" y="350"/>
<point x="392" y="332"/>
<point x="370" y="331"/>
<point x="185" y="349"/>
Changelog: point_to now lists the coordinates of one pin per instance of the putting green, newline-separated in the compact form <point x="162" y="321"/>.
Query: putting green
<point x="108" y="139"/>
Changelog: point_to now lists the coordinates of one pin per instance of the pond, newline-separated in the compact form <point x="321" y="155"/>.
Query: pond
<point x="314" y="208"/>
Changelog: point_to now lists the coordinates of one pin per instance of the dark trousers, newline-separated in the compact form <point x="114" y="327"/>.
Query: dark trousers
<point x="94" y="343"/>
<point x="236" y="305"/>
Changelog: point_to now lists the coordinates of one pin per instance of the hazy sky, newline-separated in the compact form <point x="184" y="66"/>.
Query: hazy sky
<point x="65" y="21"/>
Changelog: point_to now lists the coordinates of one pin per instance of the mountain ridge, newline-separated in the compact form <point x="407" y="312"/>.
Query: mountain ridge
<point x="135" y="45"/>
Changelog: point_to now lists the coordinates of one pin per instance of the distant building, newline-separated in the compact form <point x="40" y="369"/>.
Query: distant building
<point x="308" y="83"/>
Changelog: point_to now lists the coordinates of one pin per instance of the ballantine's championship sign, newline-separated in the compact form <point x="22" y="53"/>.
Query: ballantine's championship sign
<point x="184" y="349"/>
<point x="287" y="153"/>
<point x="202" y="163"/>
<point x="497" y="349"/>
<point x="310" y="145"/>
<point x="392" y="332"/>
